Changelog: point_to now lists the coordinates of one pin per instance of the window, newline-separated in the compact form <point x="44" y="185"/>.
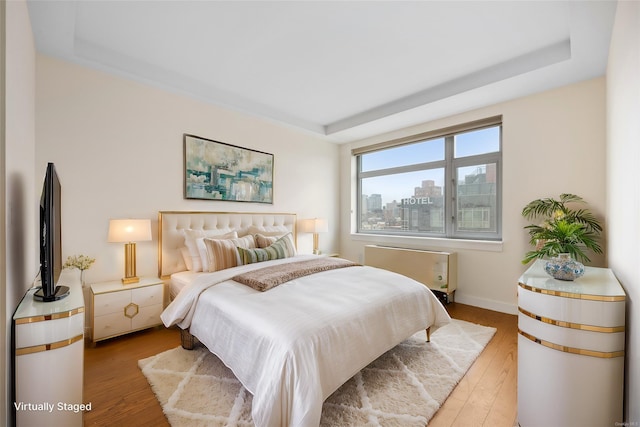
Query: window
<point x="445" y="183"/>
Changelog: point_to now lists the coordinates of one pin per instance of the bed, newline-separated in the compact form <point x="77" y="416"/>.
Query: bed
<point x="294" y="344"/>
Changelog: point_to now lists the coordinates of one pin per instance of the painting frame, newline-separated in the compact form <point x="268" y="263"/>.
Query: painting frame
<point x="215" y="170"/>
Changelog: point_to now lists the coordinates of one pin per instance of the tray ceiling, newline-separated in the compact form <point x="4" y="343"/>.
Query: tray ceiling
<point x="342" y="70"/>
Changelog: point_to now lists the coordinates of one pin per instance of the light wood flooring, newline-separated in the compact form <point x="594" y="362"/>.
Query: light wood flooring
<point x="120" y="395"/>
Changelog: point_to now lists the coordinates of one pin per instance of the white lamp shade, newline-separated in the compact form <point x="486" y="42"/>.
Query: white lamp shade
<point x="314" y="225"/>
<point x="129" y="230"/>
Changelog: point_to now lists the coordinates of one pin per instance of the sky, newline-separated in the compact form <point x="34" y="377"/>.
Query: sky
<point x="399" y="186"/>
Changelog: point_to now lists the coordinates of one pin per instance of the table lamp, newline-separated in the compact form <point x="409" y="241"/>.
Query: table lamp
<point x="315" y="226"/>
<point x="129" y="231"/>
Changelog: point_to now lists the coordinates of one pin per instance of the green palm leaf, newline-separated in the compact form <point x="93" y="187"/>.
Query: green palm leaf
<point x="564" y="230"/>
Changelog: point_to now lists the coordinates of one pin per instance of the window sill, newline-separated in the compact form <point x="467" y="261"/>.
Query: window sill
<point x="432" y="243"/>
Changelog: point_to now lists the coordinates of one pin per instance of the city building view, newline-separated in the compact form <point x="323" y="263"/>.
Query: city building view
<point x="424" y="210"/>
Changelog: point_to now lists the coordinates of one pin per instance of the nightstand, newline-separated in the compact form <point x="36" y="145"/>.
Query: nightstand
<point x="571" y="345"/>
<point x="120" y="309"/>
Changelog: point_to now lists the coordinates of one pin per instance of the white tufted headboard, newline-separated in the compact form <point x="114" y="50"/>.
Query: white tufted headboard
<point x="171" y="239"/>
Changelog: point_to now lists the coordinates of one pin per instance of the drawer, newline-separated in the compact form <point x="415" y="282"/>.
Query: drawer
<point x="112" y="302"/>
<point x="50" y="331"/>
<point x="588" y="312"/>
<point x="147" y="316"/>
<point x="149" y="295"/>
<point x="557" y="388"/>
<point x="110" y="324"/>
<point x="571" y="337"/>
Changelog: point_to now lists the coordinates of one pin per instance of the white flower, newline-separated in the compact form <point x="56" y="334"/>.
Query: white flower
<point x="81" y="262"/>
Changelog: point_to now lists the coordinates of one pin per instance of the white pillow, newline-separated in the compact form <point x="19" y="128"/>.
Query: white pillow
<point x="190" y="237"/>
<point x="187" y="258"/>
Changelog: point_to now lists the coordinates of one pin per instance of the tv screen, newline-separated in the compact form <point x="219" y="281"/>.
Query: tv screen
<point x="50" y="239"/>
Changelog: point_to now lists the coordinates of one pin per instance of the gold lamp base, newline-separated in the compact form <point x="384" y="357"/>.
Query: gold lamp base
<point x="130" y="264"/>
<point x="316" y="251"/>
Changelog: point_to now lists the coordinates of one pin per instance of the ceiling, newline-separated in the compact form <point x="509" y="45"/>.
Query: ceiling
<point x="338" y="69"/>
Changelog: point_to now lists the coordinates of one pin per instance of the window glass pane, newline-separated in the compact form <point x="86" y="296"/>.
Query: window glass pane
<point x="402" y="188"/>
<point x="476" y="198"/>
<point x="477" y="142"/>
<point x="411" y="154"/>
<point x="406" y="202"/>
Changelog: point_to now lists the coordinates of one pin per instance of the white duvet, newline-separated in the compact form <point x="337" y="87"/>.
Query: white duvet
<point x="294" y="345"/>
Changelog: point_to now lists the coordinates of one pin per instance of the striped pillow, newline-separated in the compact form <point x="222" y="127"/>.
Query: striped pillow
<point x="191" y="238"/>
<point x="281" y="248"/>
<point x="222" y="254"/>
<point x="202" y="248"/>
<point x="289" y="243"/>
<point x="264" y="241"/>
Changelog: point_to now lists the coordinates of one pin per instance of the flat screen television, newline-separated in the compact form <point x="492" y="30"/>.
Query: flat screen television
<point x="50" y="239"/>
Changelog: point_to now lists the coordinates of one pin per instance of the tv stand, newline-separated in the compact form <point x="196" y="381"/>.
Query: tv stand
<point x="49" y="360"/>
<point x="60" y="292"/>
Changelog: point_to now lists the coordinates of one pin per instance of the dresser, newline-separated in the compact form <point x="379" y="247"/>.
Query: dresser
<point x="570" y="349"/>
<point x="49" y="360"/>
<point x="119" y="309"/>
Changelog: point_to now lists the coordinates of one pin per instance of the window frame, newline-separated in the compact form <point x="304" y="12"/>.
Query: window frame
<point x="450" y="164"/>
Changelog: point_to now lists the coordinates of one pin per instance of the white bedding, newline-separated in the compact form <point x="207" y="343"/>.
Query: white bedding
<point x="180" y="280"/>
<point x="294" y="345"/>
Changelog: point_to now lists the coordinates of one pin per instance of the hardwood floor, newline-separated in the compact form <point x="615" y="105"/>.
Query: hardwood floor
<point x="114" y="385"/>
<point x="486" y="395"/>
<point x="120" y="395"/>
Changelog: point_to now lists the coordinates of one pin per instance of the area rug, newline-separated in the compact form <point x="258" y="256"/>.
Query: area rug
<point x="404" y="387"/>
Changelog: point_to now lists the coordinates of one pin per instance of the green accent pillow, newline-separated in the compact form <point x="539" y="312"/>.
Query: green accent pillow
<point x="279" y="249"/>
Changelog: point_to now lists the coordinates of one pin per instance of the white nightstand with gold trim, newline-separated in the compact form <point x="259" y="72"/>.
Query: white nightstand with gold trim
<point x="571" y="346"/>
<point x="119" y="309"/>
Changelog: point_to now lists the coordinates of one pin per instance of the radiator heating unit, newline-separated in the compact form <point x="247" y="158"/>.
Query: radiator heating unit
<point x="436" y="270"/>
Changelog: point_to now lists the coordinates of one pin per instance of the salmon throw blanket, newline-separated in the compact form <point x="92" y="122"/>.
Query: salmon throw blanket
<point x="267" y="278"/>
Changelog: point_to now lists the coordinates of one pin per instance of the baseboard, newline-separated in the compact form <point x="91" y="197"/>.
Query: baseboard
<point x="488" y="304"/>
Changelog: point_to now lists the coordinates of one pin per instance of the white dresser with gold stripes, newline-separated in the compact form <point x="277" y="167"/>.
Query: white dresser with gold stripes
<point x="570" y="349"/>
<point x="49" y="360"/>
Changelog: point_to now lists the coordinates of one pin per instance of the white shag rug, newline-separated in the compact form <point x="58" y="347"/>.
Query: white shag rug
<point x="404" y="387"/>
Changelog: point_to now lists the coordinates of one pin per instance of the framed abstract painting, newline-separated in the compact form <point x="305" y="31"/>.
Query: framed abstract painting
<point x="215" y="170"/>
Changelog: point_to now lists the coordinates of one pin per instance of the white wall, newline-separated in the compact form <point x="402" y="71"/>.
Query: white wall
<point x="623" y="196"/>
<point x="553" y="143"/>
<point x="19" y="237"/>
<point x="117" y="145"/>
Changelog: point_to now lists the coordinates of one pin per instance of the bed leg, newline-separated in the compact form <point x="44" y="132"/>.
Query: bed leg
<point x="429" y="334"/>
<point x="187" y="340"/>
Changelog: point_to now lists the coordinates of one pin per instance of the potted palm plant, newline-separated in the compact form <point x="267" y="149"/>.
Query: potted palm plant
<point x="564" y="235"/>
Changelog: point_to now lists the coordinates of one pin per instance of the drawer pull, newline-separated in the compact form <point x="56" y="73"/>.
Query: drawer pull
<point x="131" y="310"/>
<point x="47" y="347"/>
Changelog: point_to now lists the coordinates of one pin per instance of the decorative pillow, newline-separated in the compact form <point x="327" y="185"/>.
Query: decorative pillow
<point x="223" y="253"/>
<point x="291" y="245"/>
<point x="263" y="241"/>
<point x="278" y="250"/>
<point x="202" y="248"/>
<point x="190" y="237"/>
<point x="186" y="256"/>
